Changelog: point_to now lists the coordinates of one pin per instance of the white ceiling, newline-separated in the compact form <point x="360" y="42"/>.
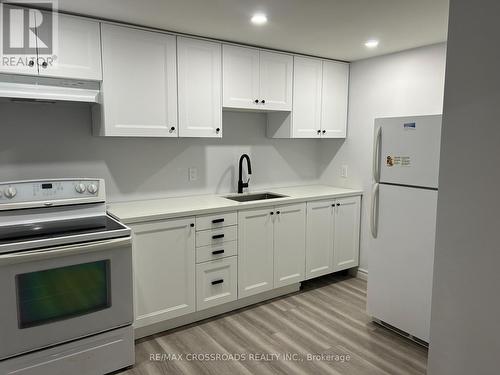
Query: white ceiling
<point x="328" y="28"/>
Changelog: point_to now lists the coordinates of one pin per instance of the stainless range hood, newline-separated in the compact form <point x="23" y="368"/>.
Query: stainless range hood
<point x="43" y="89"/>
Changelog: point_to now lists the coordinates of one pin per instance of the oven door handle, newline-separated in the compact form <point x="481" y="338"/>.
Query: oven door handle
<point x="54" y="252"/>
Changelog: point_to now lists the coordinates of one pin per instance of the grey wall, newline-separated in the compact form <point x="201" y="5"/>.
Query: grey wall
<point x="49" y="141"/>
<point x="465" y="329"/>
<point x="402" y="84"/>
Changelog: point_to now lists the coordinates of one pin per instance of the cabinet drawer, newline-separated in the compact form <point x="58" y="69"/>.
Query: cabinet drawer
<point x="216" y="236"/>
<point x="216" y="282"/>
<point x="214" y="252"/>
<point x="224" y="219"/>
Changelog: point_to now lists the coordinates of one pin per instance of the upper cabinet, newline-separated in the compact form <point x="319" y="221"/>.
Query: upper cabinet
<point x="200" y="88"/>
<point x="76" y="52"/>
<point x="257" y="80"/>
<point x="320" y="95"/>
<point x="139" y="89"/>
<point x="335" y="91"/>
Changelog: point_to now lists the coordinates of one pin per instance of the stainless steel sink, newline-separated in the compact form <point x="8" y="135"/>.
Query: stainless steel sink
<point x="254" y="197"/>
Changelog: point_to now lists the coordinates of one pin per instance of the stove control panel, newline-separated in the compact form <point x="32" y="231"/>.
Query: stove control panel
<point x="48" y="191"/>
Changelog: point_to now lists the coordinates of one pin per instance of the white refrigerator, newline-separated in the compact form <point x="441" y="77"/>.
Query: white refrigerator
<point x="403" y="222"/>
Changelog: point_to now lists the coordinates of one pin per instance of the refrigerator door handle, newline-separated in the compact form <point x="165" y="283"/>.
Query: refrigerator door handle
<point x="376" y="154"/>
<point x="374" y="210"/>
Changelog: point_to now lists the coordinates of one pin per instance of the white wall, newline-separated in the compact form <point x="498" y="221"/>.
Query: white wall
<point x="401" y="84"/>
<point x="44" y="141"/>
<point x="465" y="329"/>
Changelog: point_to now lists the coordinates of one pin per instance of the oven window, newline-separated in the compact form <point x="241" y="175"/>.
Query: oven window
<point x="62" y="293"/>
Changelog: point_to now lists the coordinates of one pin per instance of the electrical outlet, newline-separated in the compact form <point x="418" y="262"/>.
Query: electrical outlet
<point x="192" y="174"/>
<point x="343" y="171"/>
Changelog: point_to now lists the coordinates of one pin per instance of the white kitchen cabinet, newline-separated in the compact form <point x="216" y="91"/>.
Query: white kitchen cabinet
<point x="320" y="97"/>
<point x="320" y="232"/>
<point x="139" y="89"/>
<point x="164" y="270"/>
<point x="346" y="233"/>
<point x="255" y="252"/>
<point x="200" y="88"/>
<point x="78" y="55"/>
<point x="289" y="244"/>
<point x="216" y="282"/>
<point x="307" y="86"/>
<point x="241" y="70"/>
<point x="335" y="89"/>
<point x="257" y="80"/>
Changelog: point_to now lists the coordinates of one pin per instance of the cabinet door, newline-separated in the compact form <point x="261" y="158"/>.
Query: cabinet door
<point x="255" y="251"/>
<point x="139" y="83"/>
<point x="307" y="84"/>
<point x="24" y="54"/>
<point x="164" y="270"/>
<point x="346" y="234"/>
<point x="240" y="77"/>
<point x="200" y="88"/>
<point x="334" y="99"/>
<point x="289" y="244"/>
<point x="276" y="74"/>
<point x="319" y="248"/>
<point x="78" y="55"/>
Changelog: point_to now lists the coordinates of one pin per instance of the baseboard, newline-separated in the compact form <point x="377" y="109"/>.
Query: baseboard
<point x="211" y="312"/>
<point x="360" y="273"/>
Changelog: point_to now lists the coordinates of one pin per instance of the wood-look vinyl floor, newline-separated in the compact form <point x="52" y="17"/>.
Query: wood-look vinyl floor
<point x="327" y="317"/>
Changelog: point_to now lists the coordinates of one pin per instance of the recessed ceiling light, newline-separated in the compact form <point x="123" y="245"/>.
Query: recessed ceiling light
<point x="259" y="19"/>
<point x="372" y="43"/>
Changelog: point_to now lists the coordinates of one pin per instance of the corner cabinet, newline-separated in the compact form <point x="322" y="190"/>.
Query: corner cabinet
<point x="200" y="88"/>
<point x="139" y="89"/>
<point x="271" y="248"/>
<point x="332" y="236"/>
<point x="256" y="80"/>
<point x="164" y="270"/>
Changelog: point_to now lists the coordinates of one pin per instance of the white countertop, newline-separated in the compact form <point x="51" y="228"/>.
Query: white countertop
<point x="157" y="209"/>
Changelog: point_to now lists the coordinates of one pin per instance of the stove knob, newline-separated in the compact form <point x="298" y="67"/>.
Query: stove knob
<point x="10" y="192"/>
<point x="92" y="188"/>
<point x="80" y="188"/>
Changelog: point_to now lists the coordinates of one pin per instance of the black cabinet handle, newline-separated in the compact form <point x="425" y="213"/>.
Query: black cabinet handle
<point x="319" y="131"/>
<point x="324" y="131"/>
<point x="172" y="128"/>
<point x="263" y="101"/>
<point x="31" y="63"/>
<point x="217" y="236"/>
<point x="338" y="204"/>
<point x="271" y="213"/>
<point x="256" y="101"/>
<point x="215" y="282"/>
<point x="216" y="252"/>
<point x="217" y="130"/>
<point x="191" y="225"/>
<point x="44" y="64"/>
<point x="216" y="221"/>
<point x="278" y="212"/>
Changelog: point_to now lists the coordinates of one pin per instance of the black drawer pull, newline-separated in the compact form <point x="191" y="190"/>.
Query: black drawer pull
<point x="217" y="236"/>
<point x="217" y="221"/>
<point x="215" y="282"/>
<point x="215" y="252"/>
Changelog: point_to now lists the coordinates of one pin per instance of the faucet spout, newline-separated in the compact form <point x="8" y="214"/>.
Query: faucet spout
<point x="241" y="184"/>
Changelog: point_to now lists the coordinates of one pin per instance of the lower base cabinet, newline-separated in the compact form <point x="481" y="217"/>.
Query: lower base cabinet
<point x="164" y="270"/>
<point x="192" y="264"/>
<point x="216" y="282"/>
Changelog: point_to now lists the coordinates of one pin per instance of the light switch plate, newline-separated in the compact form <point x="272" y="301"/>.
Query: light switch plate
<point x="192" y="174"/>
<point x="343" y="171"/>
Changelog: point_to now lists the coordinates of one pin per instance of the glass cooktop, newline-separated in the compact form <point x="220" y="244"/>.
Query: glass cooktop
<point x="57" y="228"/>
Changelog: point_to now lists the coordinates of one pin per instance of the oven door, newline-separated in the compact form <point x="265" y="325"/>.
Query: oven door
<point x="59" y="294"/>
